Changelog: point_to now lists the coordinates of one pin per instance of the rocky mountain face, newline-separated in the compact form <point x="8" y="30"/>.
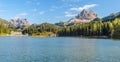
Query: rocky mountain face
<point x="20" y="22"/>
<point x="84" y="17"/>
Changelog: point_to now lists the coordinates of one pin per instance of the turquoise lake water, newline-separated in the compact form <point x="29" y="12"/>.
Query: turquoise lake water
<point x="59" y="49"/>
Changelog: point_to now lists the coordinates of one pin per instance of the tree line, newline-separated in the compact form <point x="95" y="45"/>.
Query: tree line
<point x="97" y="28"/>
<point x="94" y="28"/>
<point x="44" y="27"/>
<point x="4" y="29"/>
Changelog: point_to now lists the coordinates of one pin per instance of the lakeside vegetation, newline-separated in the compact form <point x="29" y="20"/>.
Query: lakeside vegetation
<point x="5" y="27"/>
<point x="4" y="30"/>
<point x="95" y="28"/>
<point x="98" y="27"/>
<point x="43" y="34"/>
<point x="43" y="30"/>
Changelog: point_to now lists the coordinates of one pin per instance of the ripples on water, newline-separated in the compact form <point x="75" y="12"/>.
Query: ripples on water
<point x="58" y="49"/>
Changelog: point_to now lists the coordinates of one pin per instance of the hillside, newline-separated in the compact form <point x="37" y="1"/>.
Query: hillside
<point x="5" y="27"/>
<point x="5" y="22"/>
<point x="111" y="17"/>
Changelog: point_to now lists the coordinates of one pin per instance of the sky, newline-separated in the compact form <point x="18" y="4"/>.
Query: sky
<point x="53" y="11"/>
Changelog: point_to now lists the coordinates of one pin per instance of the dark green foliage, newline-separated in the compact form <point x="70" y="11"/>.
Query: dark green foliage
<point x="45" y="27"/>
<point x="4" y="29"/>
<point x="2" y="21"/>
<point x="98" y="28"/>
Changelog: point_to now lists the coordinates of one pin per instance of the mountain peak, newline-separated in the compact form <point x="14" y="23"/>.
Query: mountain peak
<point x="20" y="22"/>
<point x="84" y="16"/>
<point x="84" y="12"/>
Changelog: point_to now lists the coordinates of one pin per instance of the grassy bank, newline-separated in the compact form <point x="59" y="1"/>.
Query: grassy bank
<point x="3" y="34"/>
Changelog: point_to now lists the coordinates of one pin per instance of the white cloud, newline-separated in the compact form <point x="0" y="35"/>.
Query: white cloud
<point x="84" y="7"/>
<point x="37" y="11"/>
<point x="71" y="0"/>
<point x="34" y="2"/>
<point x="59" y="16"/>
<point x="54" y="8"/>
<point x="41" y="12"/>
<point x="69" y="14"/>
<point x="20" y="15"/>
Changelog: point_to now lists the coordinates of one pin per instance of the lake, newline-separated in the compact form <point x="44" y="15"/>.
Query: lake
<point x="58" y="49"/>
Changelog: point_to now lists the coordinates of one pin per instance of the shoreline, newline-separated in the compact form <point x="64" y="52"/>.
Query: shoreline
<point x="98" y="37"/>
<point x="60" y="36"/>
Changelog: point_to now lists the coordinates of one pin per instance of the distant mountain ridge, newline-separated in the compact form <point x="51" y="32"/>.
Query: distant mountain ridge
<point x="111" y="16"/>
<point x="83" y="17"/>
<point x="20" y="22"/>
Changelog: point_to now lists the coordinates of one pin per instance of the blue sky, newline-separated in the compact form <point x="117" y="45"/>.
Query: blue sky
<point x="52" y="11"/>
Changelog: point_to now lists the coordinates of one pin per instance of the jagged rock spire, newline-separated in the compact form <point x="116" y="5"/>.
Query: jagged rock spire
<point x="84" y="12"/>
<point x="85" y="16"/>
<point x="20" y="22"/>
